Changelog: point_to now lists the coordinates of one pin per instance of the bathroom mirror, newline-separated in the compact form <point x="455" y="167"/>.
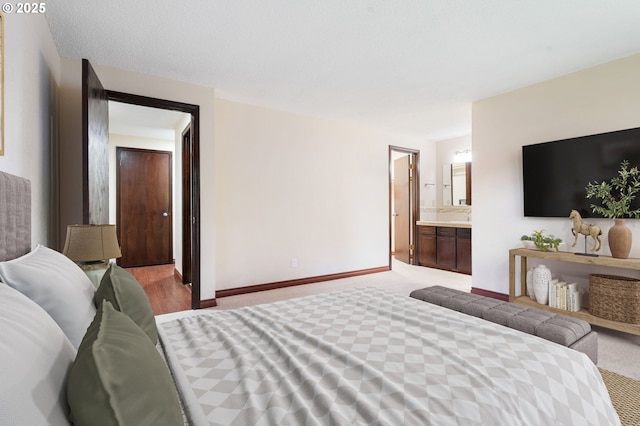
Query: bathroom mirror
<point x="456" y="184"/>
<point x="1" y="84"/>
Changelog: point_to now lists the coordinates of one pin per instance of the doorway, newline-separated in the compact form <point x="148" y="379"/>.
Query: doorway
<point x="188" y="151"/>
<point x="404" y="193"/>
<point x="95" y="160"/>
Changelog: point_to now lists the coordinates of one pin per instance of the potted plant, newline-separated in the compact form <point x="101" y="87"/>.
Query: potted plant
<point x="542" y="242"/>
<point x="617" y="195"/>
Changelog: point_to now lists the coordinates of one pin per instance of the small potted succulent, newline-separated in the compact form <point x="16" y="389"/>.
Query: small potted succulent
<point x="538" y="240"/>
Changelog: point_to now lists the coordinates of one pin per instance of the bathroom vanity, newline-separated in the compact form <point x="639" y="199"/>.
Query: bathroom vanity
<point x="445" y="245"/>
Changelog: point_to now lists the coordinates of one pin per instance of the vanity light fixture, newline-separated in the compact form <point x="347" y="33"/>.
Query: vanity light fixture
<point x="463" y="156"/>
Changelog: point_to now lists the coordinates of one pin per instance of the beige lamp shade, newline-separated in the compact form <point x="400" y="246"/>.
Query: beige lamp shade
<point x="91" y="243"/>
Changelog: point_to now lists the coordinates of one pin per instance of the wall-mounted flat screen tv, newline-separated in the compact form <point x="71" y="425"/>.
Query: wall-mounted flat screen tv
<point x="555" y="173"/>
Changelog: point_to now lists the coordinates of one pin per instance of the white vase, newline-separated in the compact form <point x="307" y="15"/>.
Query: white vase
<point x="530" y="291"/>
<point x="541" y="276"/>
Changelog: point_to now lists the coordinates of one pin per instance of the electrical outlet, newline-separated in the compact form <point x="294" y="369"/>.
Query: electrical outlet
<point x="294" y="262"/>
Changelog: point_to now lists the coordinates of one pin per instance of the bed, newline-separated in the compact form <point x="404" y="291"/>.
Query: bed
<point x="70" y="353"/>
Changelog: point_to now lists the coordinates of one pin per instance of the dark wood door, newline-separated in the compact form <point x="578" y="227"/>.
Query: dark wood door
<point x="402" y="208"/>
<point x="95" y="148"/>
<point x="144" y="213"/>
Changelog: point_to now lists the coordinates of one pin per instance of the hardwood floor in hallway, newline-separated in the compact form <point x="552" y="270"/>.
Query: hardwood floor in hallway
<point x="164" y="289"/>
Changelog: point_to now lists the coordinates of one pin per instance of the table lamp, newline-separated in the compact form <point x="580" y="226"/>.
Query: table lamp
<point x="91" y="247"/>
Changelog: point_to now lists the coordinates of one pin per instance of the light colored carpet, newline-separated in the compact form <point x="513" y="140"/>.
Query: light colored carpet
<point x="617" y="352"/>
<point x="402" y="279"/>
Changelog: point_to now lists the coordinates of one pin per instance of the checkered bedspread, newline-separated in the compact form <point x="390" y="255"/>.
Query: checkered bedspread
<point x="366" y="356"/>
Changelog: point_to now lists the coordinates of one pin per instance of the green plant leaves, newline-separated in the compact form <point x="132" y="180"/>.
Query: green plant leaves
<point x="617" y="194"/>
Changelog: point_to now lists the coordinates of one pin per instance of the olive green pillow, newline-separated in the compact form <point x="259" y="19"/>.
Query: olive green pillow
<point x="127" y="295"/>
<point x="119" y="378"/>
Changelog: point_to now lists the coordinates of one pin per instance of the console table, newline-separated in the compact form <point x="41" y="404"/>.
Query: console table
<point x="584" y="314"/>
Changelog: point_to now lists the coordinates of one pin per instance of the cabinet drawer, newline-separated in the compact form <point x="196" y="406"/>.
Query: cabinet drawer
<point x="464" y="232"/>
<point x="426" y="230"/>
<point x="446" y="231"/>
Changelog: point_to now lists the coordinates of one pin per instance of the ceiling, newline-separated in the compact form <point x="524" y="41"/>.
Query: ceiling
<point x="410" y="67"/>
<point x="145" y="122"/>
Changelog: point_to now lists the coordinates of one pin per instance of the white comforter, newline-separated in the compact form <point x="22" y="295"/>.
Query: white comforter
<point x="366" y="356"/>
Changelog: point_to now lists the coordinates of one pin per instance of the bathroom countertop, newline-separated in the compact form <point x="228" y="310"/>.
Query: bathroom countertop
<point x="449" y="223"/>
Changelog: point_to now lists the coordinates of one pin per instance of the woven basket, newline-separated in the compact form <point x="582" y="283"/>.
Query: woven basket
<point x="615" y="298"/>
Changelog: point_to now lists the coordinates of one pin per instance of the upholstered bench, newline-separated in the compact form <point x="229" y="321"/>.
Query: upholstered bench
<point x="564" y="330"/>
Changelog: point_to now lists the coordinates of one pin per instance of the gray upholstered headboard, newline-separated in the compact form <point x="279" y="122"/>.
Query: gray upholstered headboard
<point x="15" y="216"/>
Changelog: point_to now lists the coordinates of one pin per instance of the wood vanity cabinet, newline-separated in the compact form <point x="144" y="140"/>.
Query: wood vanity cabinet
<point x="427" y="246"/>
<point x="445" y="247"/>
<point x="463" y="250"/>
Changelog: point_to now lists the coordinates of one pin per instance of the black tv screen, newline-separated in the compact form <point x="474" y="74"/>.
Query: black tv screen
<point x="555" y="173"/>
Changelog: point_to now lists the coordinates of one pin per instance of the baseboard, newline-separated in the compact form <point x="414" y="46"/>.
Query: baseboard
<point x="300" y="281"/>
<point x="208" y="303"/>
<point x="177" y="274"/>
<point x="488" y="293"/>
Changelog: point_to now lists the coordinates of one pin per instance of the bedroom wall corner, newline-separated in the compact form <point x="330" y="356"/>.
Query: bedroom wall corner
<point x="595" y="100"/>
<point x="31" y="80"/>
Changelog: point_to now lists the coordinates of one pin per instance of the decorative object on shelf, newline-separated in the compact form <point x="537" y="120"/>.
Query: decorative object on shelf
<point x="620" y="238"/>
<point x="530" y="290"/>
<point x="528" y="244"/>
<point x="586" y="229"/>
<point x="617" y="195"/>
<point x="615" y="298"/>
<point x="541" y="278"/>
<point x="91" y="247"/>
<point x="542" y="242"/>
<point x="517" y="277"/>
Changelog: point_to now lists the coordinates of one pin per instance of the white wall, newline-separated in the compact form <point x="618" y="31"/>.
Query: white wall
<point x="31" y="75"/>
<point x="428" y="180"/>
<point x="596" y="100"/>
<point x="289" y="186"/>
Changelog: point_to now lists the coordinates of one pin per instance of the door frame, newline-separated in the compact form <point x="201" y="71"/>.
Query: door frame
<point x="414" y="197"/>
<point x="194" y="111"/>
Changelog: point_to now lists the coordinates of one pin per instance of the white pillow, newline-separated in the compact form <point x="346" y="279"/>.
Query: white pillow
<point x="35" y="360"/>
<point x="58" y="285"/>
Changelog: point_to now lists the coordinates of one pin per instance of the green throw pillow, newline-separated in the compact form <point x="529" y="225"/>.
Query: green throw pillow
<point x="127" y="295"/>
<point x="119" y="378"/>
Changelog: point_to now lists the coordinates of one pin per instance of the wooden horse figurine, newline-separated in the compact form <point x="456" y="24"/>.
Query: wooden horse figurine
<point x="579" y="227"/>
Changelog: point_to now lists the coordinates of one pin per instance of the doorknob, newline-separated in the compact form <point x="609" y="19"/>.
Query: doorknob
<point x="165" y="214"/>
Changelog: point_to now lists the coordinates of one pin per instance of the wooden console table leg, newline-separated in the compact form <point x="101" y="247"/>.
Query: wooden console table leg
<point x="512" y="277"/>
<point x="523" y="276"/>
